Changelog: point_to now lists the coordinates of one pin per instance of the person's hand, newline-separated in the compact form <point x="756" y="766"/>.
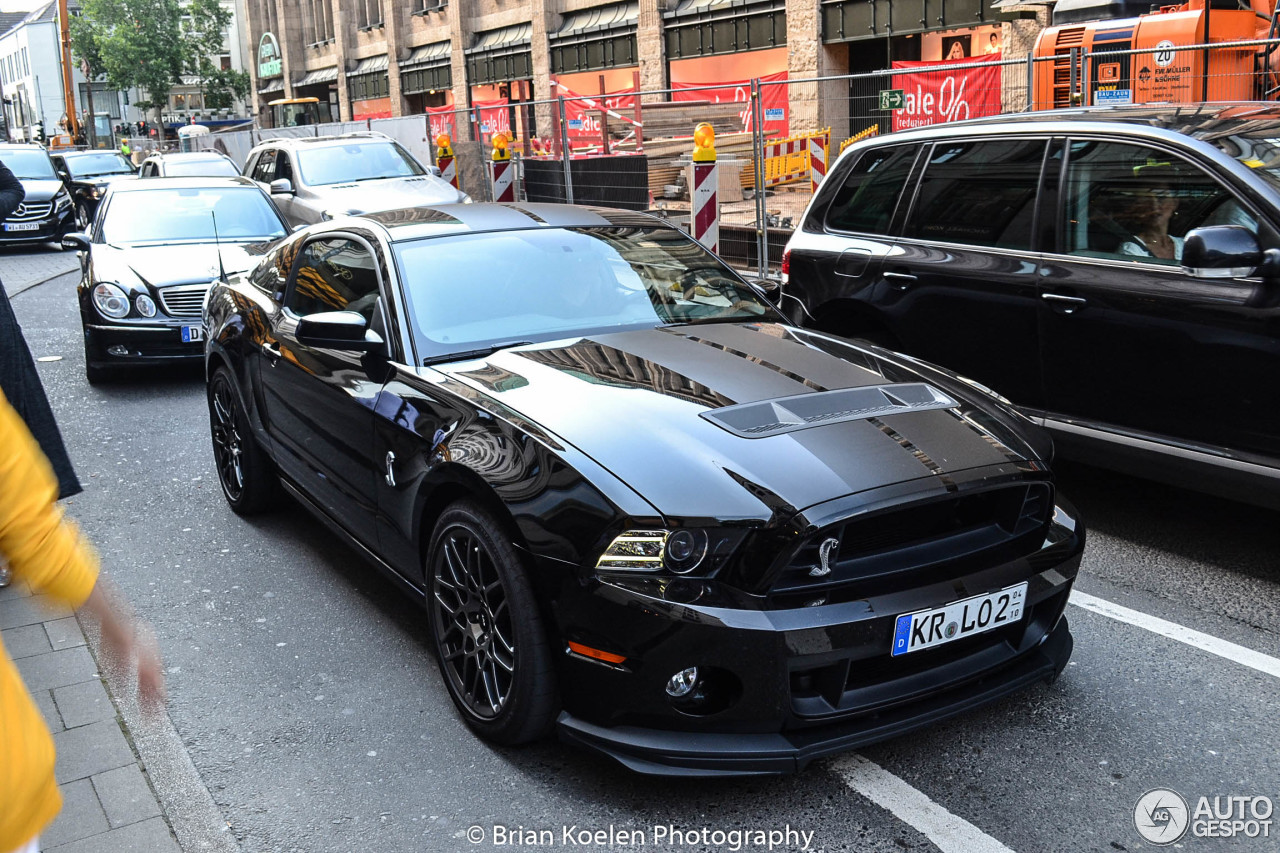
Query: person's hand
<point x="127" y="643"/>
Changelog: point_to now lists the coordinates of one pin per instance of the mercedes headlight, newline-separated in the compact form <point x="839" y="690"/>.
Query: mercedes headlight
<point x="61" y="199"/>
<point x="110" y="301"/>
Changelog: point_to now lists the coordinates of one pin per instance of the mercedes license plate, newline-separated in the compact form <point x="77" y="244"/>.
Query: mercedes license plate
<point x="22" y="226"/>
<point x="925" y="629"/>
<point x="192" y="334"/>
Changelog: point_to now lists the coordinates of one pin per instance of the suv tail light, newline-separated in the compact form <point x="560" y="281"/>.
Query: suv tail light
<point x="786" y="266"/>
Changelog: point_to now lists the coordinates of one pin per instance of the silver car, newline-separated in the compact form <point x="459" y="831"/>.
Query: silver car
<point x="312" y="179"/>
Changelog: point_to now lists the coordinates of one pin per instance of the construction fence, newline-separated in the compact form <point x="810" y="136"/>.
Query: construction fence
<point x="633" y="149"/>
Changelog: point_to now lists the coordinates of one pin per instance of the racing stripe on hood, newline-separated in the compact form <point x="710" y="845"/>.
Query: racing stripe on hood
<point x="922" y="457"/>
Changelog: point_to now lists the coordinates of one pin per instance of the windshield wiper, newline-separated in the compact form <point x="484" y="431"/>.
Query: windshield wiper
<point x="467" y="355"/>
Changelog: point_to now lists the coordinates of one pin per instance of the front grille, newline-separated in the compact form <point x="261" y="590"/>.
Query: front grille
<point x="31" y="212"/>
<point x="186" y="300"/>
<point x="888" y="551"/>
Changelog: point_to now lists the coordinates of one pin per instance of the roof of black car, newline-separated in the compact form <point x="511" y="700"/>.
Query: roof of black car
<point x="1194" y="119"/>
<point x="196" y="182"/>
<point x="414" y="222"/>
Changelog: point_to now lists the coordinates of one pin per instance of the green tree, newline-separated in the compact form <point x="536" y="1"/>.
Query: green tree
<point x="204" y="37"/>
<point x="137" y="44"/>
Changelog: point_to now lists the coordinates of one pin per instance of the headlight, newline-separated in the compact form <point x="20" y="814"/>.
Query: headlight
<point x="110" y="301"/>
<point x="145" y="304"/>
<point x="61" y="199"/>
<point x="464" y="198"/>
<point x="683" y="551"/>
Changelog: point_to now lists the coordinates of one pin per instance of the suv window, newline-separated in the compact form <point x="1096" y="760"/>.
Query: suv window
<point x="337" y="274"/>
<point x="264" y="171"/>
<point x="361" y="160"/>
<point x="1137" y="203"/>
<point x="982" y="193"/>
<point x="866" y="200"/>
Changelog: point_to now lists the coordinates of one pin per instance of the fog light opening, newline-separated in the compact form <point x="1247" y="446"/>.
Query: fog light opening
<point x="117" y="349"/>
<point x="683" y="683"/>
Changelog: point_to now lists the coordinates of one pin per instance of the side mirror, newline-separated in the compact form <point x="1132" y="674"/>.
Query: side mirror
<point x="1221" y="251"/>
<point x="340" y="330"/>
<point x="76" y="240"/>
<point x="435" y="170"/>
<point x="281" y="186"/>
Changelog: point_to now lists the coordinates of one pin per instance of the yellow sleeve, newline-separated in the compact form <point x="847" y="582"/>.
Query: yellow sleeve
<point x="41" y="546"/>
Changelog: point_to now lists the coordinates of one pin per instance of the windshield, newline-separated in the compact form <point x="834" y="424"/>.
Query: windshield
<point x="472" y="291"/>
<point x="243" y="215"/>
<point x="214" y="167"/>
<point x="91" y="165"/>
<point x="355" y="161"/>
<point x="31" y="165"/>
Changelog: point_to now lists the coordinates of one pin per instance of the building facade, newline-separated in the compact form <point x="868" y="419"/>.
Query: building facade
<point x="31" y="74"/>
<point x="379" y="58"/>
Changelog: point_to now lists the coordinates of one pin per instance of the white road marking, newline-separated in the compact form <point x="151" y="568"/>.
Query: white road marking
<point x="1174" y="631"/>
<point x="949" y="833"/>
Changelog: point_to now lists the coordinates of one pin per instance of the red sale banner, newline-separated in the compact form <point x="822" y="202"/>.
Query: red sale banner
<point x="937" y="93"/>
<point x="443" y="120"/>
<point x="582" y="112"/>
<point x="494" y="117"/>
<point x="777" y="120"/>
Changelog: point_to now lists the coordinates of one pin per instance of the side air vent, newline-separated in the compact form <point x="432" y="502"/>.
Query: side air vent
<point x="788" y="414"/>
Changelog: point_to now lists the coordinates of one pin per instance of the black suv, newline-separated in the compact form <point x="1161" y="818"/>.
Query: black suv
<point x="46" y="213"/>
<point x="1115" y="272"/>
<point x="88" y="174"/>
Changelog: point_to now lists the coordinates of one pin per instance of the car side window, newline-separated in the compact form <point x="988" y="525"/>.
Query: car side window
<point x="1137" y="203"/>
<point x="265" y="169"/>
<point x="334" y="274"/>
<point x="980" y="192"/>
<point x="869" y="195"/>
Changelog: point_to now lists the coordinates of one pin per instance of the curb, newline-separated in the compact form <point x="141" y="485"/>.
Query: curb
<point x="24" y="288"/>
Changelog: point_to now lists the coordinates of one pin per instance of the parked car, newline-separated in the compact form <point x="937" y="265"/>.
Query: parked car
<point x="313" y="179"/>
<point x="88" y="174"/>
<point x="188" y="164"/>
<point x="635" y="503"/>
<point x="1026" y="252"/>
<point x="155" y="247"/>
<point x="46" y="213"/>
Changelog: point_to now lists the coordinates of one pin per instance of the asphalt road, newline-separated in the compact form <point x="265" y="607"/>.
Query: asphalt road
<point x="302" y="688"/>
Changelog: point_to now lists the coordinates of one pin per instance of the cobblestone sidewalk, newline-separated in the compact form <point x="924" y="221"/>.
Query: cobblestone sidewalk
<point x="23" y="267"/>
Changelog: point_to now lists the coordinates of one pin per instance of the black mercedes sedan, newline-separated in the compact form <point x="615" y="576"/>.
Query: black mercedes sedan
<point x="636" y="505"/>
<point x="148" y="260"/>
<point x="88" y="174"/>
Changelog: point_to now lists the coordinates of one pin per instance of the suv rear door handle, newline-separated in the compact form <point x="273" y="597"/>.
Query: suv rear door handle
<point x="1066" y="304"/>
<point x="271" y="350"/>
<point x="900" y="280"/>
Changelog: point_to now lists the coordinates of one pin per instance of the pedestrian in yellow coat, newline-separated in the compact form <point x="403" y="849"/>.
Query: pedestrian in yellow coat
<point x="48" y="552"/>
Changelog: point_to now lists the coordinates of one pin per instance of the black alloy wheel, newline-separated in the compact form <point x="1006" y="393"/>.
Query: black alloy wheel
<point x="247" y="476"/>
<point x="82" y="216"/>
<point x="489" y="640"/>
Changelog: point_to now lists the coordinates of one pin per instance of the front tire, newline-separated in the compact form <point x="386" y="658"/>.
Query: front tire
<point x="247" y="477"/>
<point x="83" y="217"/>
<point x="488" y="635"/>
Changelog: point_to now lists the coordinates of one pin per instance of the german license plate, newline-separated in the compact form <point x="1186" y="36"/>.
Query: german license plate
<point x="22" y="226"/>
<point x="192" y="334"/>
<point x="925" y="629"/>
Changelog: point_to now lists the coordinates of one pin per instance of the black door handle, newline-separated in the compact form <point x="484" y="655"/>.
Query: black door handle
<point x="900" y="280"/>
<point x="272" y="351"/>
<point x="1065" y="304"/>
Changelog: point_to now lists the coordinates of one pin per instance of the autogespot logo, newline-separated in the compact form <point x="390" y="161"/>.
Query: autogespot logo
<point x="1161" y="816"/>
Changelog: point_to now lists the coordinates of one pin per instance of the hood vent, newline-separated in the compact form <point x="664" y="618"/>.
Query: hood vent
<point x="788" y="414"/>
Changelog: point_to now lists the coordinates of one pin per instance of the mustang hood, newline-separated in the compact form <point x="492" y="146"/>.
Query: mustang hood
<point x="160" y="266"/>
<point x="669" y="411"/>
<point x="390" y="194"/>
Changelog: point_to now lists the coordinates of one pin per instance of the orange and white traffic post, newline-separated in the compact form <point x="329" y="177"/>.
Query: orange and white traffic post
<point x="819" y="145"/>
<point x="504" y="189"/>
<point x="444" y="159"/>
<point x="706" y="181"/>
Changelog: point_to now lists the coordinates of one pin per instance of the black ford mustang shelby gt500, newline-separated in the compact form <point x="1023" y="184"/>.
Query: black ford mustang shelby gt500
<point x="637" y="505"/>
